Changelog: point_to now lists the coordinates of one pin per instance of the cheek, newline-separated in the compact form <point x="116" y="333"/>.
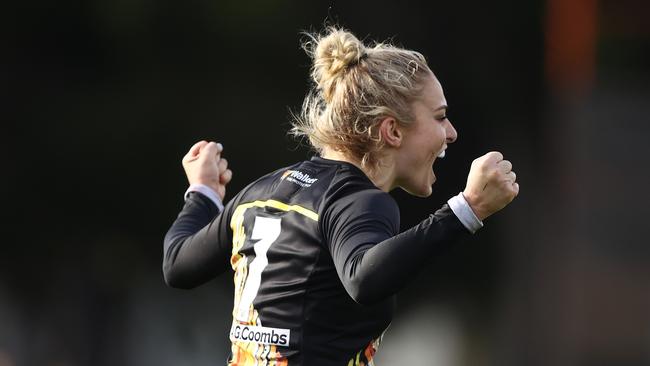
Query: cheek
<point x="441" y="134"/>
<point x="424" y="158"/>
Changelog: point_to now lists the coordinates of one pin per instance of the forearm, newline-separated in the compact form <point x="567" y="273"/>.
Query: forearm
<point x="193" y="252"/>
<point x="375" y="272"/>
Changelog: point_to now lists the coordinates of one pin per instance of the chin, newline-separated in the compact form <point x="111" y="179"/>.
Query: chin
<point x="420" y="186"/>
<point x="419" y="191"/>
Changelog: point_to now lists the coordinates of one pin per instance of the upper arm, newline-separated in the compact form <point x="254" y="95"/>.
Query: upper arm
<point x="351" y="226"/>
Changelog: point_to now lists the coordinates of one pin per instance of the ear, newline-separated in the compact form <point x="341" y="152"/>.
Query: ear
<point x="391" y="132"/>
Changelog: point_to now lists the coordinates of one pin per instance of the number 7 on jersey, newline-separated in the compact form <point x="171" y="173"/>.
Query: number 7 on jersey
<point x="266" y="230"/>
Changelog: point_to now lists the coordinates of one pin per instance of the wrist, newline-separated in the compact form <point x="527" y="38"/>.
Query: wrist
<point x="474" y="203"/>
<point x="207" y="183"/>
<point x="458" y="204"/>
<point x="207" y="191"/>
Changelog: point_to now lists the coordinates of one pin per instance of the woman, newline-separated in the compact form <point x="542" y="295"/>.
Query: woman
<point x="315" y="247"/>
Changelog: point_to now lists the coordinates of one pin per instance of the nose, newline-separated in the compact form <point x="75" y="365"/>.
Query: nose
<point x="452" y="135"/>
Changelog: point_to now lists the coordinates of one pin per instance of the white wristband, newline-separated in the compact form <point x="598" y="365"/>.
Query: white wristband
<point x="463" y="211"/>
<point x="206" y="191"/>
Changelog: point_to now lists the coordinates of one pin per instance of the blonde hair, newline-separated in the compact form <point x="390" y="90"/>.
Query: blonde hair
<point x="355" y="88"/>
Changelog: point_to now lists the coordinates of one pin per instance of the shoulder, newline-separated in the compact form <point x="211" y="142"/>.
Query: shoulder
<point x="354" y="204"/>
<point x="361" y="198"/>
<point x="257" y="188"/>
<point x="357" y="199"/>
<point x="351" y="188"/>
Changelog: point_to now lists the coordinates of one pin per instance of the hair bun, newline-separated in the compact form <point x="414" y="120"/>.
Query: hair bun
<point x="332" y="54"/>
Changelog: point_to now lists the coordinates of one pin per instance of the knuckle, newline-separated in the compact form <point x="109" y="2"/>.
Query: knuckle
<point x="495" y="154"/>
<point x="198" y="145"/>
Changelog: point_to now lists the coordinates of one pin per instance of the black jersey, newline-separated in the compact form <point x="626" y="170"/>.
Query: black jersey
<point x="317" y="258"/>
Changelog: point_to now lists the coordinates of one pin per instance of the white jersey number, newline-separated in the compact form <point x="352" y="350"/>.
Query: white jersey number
<point x="267" y="230"/>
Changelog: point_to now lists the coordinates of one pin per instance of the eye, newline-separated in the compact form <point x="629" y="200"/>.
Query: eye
<point x="441" y="118"/>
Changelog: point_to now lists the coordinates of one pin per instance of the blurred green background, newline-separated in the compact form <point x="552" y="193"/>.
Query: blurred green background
<point x="101" y="99"/>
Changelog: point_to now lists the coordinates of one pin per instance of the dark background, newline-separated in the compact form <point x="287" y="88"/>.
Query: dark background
<point x="101" y="99"/>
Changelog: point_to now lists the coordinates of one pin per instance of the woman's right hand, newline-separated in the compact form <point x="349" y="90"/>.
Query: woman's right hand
<point x="491" y="184"/>
<point x="203" y="164"/>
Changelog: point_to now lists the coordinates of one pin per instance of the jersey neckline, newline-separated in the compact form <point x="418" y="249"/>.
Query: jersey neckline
<point x="322" y="160"/>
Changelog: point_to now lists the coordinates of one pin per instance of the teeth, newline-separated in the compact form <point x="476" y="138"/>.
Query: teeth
<point x="442" y="154"/>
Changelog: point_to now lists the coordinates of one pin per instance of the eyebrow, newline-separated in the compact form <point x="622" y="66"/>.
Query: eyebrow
<point x="441" y="107"/>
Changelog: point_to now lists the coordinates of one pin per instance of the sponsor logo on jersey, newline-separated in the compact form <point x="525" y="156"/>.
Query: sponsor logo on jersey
<point x="298" y="177"/>
<point x="264" y="335"/>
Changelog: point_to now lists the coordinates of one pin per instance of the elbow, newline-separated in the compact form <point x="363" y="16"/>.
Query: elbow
<point x="361" y="284"/>
<point x="361" y="293"/>
<point x="178" y="285"/>
<point x="171" y="278"/>
<point x="362" y="299"/>
<point x="172" y="273"/>
<point x="175" y="280"/>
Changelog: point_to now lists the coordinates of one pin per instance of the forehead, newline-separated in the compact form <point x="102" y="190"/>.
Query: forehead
<point x="432" y="95"/>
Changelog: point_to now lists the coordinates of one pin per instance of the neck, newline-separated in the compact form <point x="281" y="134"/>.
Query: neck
<point x="382" y="176"/>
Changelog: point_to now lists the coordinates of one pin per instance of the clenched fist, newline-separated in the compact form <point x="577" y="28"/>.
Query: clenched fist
<point x="491" y="184"/>
<point x="203" y="164"/>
